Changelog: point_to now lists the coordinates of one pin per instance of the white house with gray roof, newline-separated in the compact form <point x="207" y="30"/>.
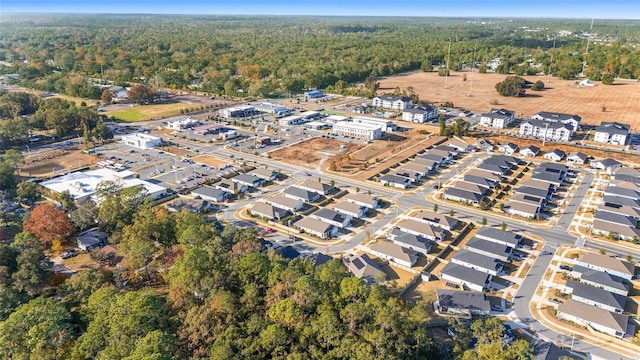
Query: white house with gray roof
<point x="394" y="253"/>
<point x="554" y="155"/>
<point x="595" y="296"/>
<point x="410" y="241"/>
<point x="301" y="194"/>
<point x="480" y="262"/>
<point x="316" y="186"/>
<point x="436" y="219"/>
<point x="498" y="236"/>
<point x="497" y="118"/>
<point x="491" y="249"/>
<point x="363" y="267"/>
<point x="248" y="180"/>
<point x="473" y="279"/>
<point x="284" y="202"/>
<point x="396" y="181"/>
<point x="422" y="229"/>
<point x="363" y="199"/>
<point x="316" y="227"/>
<point x="210" y="194"/>
<point x="351" y="209"/>
<point x="268" y="211"/>
<point x="611" y="132"/>
<point x="609" y="264"/>
<point x="601" y="279"/>
<point x="601" y="320"/>
<point x="462" y="303"/>
<point x="332" y="217"/>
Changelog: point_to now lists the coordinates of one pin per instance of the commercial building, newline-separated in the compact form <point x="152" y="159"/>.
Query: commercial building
<point x="269" y="108"/>
<point x="182" y="124"/>
<point x="240" y="111"/>
<point x="360" y="131"/>
<point x="82" y="185"/>
<point x="142" y="141"/>
<point x="384" y="125"/>
<point x="291" y="120"/>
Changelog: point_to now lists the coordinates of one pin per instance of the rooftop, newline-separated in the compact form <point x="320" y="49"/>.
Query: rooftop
<point x="472" y="300"/>
<point x="594" y="314"/>
<point x="608" y="262"/>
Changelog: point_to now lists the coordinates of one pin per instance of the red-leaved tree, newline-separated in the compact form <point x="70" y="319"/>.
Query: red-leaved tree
<point x="47" y="222"/>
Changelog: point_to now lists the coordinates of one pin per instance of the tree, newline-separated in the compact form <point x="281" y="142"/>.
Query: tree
<point x="503" y="226"/>
<point x="39" y="329"/>
<point x="14" y="158"/>
<point x="607" y="79"/>
<point x="537" y="86"/>
<point x="512" y="86"/>
<point x="484" y="221"/>
<point x="106" y="96"/>
<point x="28" y="190"/>
<point x="47" y="222"/>
<point x="75" y="291"/>
<point x="85" y="215"/>
<point x="33" y="271"/>
<point x="426" y="65"/>
<point x="435" y="207"/>
<point x="142" y="94"/>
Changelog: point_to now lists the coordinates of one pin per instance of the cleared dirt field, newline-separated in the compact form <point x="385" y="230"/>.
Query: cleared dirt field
<point x="622" y="100"/>
<point x="42" y="164"/>
<point x="210" y="160"/>
<point x="308" y="153"/>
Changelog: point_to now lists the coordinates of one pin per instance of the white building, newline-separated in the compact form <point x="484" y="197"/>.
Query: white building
<point x="612" y="132"/>
<point x="590" y="316"/>
<point x="82" y="185"/>
<point x="270" y="108"/>
<point x="497" y="118"/>
<point x="608" y="264"/>
<point x="392" y="102"/>
<point x="291" y="120"/>
<point x="239" y="111"/>
<point x="142" y="141"/>
<point x="568" y="119"/>
<point x="547" y="130"/>
<point x="385" y="125"/>
<point x="361" y="131"/>
<point x="420" y="114"/>
<point x="182" y="124"/>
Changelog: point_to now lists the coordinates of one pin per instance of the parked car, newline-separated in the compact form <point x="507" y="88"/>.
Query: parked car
<point x="496" y="308"/>
<point x="554" y="300"/>
<point x="69" y="254"/>
<point x="566" y="267"/>
<point x="271" y="230"/>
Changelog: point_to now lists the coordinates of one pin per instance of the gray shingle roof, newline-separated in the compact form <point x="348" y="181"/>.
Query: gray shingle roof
<point x="613" y="128"/>
<point x="479" y="260"/>
<point x="595" y="315"/>
<point x="504" y="236"/>
<point x="472" y="300"/>
<point x="487" y="246"/>
<point x="598" y="295"/>
<point x="602" y="278"/>
<point x="464" y="194"/>
<point x="464" y="273"/>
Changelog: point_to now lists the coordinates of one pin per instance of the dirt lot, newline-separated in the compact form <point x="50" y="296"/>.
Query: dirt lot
<point x="308" y="153"/>
<point x="622" y="100"/>
<point x="42" y="164"/>
<point x="210" y="160"/>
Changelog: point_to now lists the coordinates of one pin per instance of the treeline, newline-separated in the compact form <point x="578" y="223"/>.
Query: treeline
<point x="216" y="297"/>
<point x="269" y="56"/>
<point x="21" y="114"/>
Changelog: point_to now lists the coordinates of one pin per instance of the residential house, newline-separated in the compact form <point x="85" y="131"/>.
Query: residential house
<point x="596" y="297"/>
<point x="410" y="241"/>
<point x="497" y="118"/>
<point x="616" y="218"/>
<point x="484" y="145"/>
<point x="473" y="279"/>
<point x="600" y="279"/>
<point x="549" y="351"/>
<point x="363" y="267"/>
<point x="268" y="211"/>
<point x="415" y="170"/>
<point x="494" y="168"/>
<point x="436" y="219"/>
<point x="394" y="253"/>
<point x="316" y="227"/>
<point x="392" y="102"/>
<point x="460" y="145"/>
<point x="287" y="252"/>
<point x="554" y="155"/>
<point x="532" y="183"/>
<point x="248" y="180"/>
<point x="420" y="114"/>
<point x="608" y="164"/>
<point x="231" y="186"/>
<point x="474" y="188"/>
<point x="462" y="303"/>
<point x="480" y="180"/>
<point x="577" y="158"/>
<point x="480" y="262"/>
<point x="422" y="229"/>
<point x="530" y="151"/>
<point x="529" y="199"/>
<point x="496" y="179"/>
<point x="540" y="193"/>
<point x="318" y="259"/>
<point x="351" y="209"/>
<point x="612" y="132"/>
<point x="332" y="217"/>
<point x="596" y="318"/>
<point x="522" y="209"/>
<point x="498" y="236"/>
<point x="546" y="130"/>
<point x="573" y="120"/>
<point x="362" y="199"/>
<point x="506" y="161"/>
<point x="431" y="165"/>
<point x="316" y="186"/>
<point x="395" y="181"/>
<point x="92" y="239"/>
<point x="626" y="174"/>
<point x="301" y="194"/>
<point x="453" y="151"/>
<point x="431" y="159"/>
<point x="617" y="231"/>
<point x="623" y="210"/>
<point x="489" y="248"/>
<point x="608" y="264"/>
<point x="210" y="194"/>
<point x="265" y="174"/>
<point x="448" y="155"/>
<point x="508" y="148"/>
<point x="550" y="178"/>
<point x="463" y="196"/>
<point x="287" y="203"/>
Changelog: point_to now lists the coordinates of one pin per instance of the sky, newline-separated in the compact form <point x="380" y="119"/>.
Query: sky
<point x="599" y="9"/>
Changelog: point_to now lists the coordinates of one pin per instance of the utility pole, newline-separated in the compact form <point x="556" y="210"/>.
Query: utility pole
<point x="544" y="136"/>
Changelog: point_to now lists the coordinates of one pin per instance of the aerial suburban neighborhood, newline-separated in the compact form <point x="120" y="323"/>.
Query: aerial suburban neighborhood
<point x="456" y="204"/>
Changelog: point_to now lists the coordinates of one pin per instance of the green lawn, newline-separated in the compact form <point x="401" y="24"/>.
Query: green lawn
<point x="148" y="112"/>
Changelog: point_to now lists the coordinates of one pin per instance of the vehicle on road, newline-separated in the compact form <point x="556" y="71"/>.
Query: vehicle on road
<point x="565" y="267"/>
<point x="69" y="254"/>
<point x="306" y="173"/>
<point x="271" y="230"/>
<point x="554" y="300"/>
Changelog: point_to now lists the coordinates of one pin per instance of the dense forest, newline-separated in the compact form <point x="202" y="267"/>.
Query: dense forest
<point x="268" y="56"/>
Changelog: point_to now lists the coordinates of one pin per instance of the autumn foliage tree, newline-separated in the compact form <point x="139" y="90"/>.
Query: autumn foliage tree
<point x="47" y="222"/>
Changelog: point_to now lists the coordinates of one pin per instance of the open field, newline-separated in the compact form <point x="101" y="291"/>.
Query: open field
<point x="210" y="160"/>
<point x="43" y="164"/>
<point x="76" y="100"/>
<point x="148" y="112"/>
<point x="622" y="100"/>
<point x="310" y="152"/>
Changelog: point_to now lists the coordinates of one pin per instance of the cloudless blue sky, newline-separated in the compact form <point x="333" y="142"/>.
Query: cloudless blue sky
<point x="600" y="9"/>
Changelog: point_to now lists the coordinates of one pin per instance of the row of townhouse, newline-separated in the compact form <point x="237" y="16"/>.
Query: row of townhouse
<point x="531" y="198"/>
<point x="599" y="294"/>
<point x="619" y="213"/>
<point x="226" y="188"/>
<point x="475" y="266"/>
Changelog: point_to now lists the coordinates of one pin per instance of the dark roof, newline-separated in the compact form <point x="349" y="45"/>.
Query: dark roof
<point x="433" y="157"/>
<point x="288" y="252"/>
<point x="595" y="294"/>
<point x="395" y="179"/>
<point x="488" y="246"/>
<point x="580" y="155"/>
<point x="318" y="259"/>
<point x="208" y="191"/>
<point x="503" y="236"/>
<point x="549" y="351"/>
<point x="622" y="191"/>
<point x="547" y="177"/>
<point x="549" y="124"/>
<point x="595" y="315"/>
<point x="613" y="128"/>
<point x="608" y="162"/>
<point x="494" y="168"/>
<point x="498" y="114"/>
<point x="601" y="277"/>
<point x="528" y="190"/>
<point x="421" y="109"/>
<point x="393" y="98"/>
<point x="480" y="260"/>
<point x="472" y="300"/>
<point x="301" y="193"/>
<point x="330" y="215"/>
<point x="618" y="200"/>
<point x="559" y="153"/>
<point x="479" y="180"/>
<point x="557" y="116"/>
<point x="509" y="145"/>
<point x="547" y="166"/>
<point x="247" y="179"/>
<point x="464" y="273"/>
<point x="616" y="218"/>
<point x="464" y="194"/>
<point x="412" y="240"/>
<point x="533" y="148"/>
